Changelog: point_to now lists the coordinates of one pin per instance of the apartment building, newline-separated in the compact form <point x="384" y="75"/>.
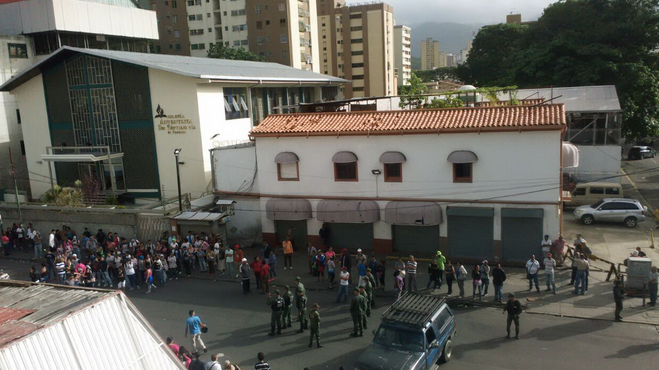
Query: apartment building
<point x="430" y="58"/>
<point x="358" y="44"/>
<point x="172" y="27"/>
<point x="284" y="31"/>
<point x="403" y="54"/>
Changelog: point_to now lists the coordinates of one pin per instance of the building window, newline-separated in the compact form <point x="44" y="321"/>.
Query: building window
<point x="359" y="52"/>
<point x="462" y="172"/>
<point x="288" y="171"/>
<point x="393" y="172"/>
<point x="357" y="65"/>
<point x="358" y="28"/>
<point x="238" y="12"/>
<point x="269" y="53"/>
<point x="175" y="19"/>
<point x="197" y="2"/>
<point x="284" y="39"/>
<point x="284" y="54"/>
<point x="18" y="51"/>
<point x="345" y="171"/>
<point x="282" y="22"/>
<point x="357" y="41"/>
<point x="210" y="30"/>
<point x="282" y="7"/>
<point x="267" y="38"/>
<point x="358" y="77"/>
<point x="259" y="25"/>
<point x="176" y="33"/>
<point x="190" y="2"/>
<point x="257" y="9"/>
<point x="259" y="40"/>
<point x="244" y="42"/>
<point x="356" y="16"/>
<point x="178" y="46"/>
<point x="18" y="116"/>
<point x="267" y="22"/>
<point x="23" y="147"/>
<point x="358" y="88"/>
<point x="236" y="42"/>
<point x="174" y="4"/>
<point x="235" y="103"/>
<point x="239" y="27"/>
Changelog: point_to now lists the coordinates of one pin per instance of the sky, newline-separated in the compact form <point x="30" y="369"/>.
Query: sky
<point x="414" y="12"/>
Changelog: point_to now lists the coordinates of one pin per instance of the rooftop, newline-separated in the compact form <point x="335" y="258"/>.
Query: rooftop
<point x="202" y="68"/>
<point x="507" y="118"/>
<point x="577" y="99"/>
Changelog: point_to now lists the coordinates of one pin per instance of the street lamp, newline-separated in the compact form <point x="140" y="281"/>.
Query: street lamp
<point x="178" y="180"/>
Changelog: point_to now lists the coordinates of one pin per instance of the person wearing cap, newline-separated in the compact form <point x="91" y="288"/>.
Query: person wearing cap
<point x="549" y="264"/>
<point x="618" y="297"/>
<point x="440" y="260"/>
<point x="370" y="278"/>
<point x="344" y="283"/>
<point x="288" y="306"/>
<point x="245" y="272"/>
<point x="367" y="308"/>
<point x="314" y="327"/>
<point x="301" y="304"/>
<point x="276" y="304"/>
<point x="513" y="308"/>
<point x="357" y="308"/>
<point x="485" y="276"/>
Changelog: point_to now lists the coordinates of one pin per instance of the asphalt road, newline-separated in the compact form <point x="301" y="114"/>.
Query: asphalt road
<point x="239" y="325"/>
<point x="645" y="174"/>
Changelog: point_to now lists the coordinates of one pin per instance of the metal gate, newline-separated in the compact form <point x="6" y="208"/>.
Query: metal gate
<point x="416" y="239"/>
<point x="151" y="226"/>
<point x="351" y="236"/>
<point x="521" y="233"/>
<point x="470" y="232"/>
<point x="297" y="230"/>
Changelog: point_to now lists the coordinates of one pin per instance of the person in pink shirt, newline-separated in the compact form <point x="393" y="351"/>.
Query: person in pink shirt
<point x="330" y="253"/>
<point x="173" y="346"/>
<point x="81" y="268"/>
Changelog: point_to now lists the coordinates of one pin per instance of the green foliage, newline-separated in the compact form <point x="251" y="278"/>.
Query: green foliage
<point x="111" y="201"/>
<point x="63" y="196"/>
<point x="439" y="74"/>
<point x="448" y="102"/>
<point x="579" y="43"/>
<point x="411" y="95"/>
<point x="220" y="52"/>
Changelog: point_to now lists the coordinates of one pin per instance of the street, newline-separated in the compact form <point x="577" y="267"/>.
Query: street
<point x="645" y="175"/>
<point x="239" y="325"/>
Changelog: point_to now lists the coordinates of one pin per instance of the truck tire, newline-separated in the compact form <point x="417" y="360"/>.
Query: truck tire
<point x="587" y="219"/>
<point x="447" y="352"/>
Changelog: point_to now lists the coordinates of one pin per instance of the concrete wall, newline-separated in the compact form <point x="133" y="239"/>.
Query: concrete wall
<point x="32" y="16"/>
<point x="244" y="227"/>
<point x="598" y="163"/>
<point x="235" y="169"/>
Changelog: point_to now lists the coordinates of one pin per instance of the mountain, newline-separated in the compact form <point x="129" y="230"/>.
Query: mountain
<point x="452" y="37"/>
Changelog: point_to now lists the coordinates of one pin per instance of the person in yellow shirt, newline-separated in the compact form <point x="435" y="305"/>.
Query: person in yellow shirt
<point x="288" y="253"/>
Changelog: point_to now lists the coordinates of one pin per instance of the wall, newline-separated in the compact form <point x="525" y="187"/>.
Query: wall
<point x="244" y="227"/>
<point x="598" y="162"/>
<point x="234" y="169"/>
<point x="229" y="35"/>
<point x="426" y="174"/>
<point x="32" y="16"/>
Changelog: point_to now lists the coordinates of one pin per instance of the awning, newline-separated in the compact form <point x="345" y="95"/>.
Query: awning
<point x="570" y="155"/>
<point x="413" y="213"/>
<point x="225" y="202"/>
<point x="344" y="157"/>
<point x="202" y="202"/>
<point x="392" y="157"/>
<point x="198" y="216"/>
<point x="79" y="157"/>
<point x="462" y="156"/>
<point x="288" y="209"/>
<point x="348" y="211"/>
<point x="286" y="157"/>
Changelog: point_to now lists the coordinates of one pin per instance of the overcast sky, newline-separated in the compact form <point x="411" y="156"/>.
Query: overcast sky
<point x="413" y="12"/>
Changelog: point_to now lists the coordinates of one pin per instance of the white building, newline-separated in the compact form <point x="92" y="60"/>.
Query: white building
<point x="48" y="326"/>
<point x="32" y="29"/>
<point x="403" y="181"/>
<point x="141" y="107"/>
<point x="403" y="53"/>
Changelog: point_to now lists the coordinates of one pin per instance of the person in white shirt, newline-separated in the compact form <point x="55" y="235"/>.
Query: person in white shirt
<point x="51" y="240"/>
<point x="344" y="280"/>
<point x="213" y="364"/>
<point x="546" y="244"/>
<point x="550" y="264"/>
<point x="532" y="267"/>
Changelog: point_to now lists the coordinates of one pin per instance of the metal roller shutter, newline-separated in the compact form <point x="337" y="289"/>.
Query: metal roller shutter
<point x="416" y="239"/>
<point x="298" y="231"/>
<point x="470" y="232"/>
<point x="351" y="236"/>
<point x="521" y="233"/>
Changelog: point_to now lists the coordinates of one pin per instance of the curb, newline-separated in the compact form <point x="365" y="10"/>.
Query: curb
<point x="592" y="318"/>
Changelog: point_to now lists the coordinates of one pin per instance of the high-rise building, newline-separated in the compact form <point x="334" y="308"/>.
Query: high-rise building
<point x="32" y="29"/>
<point x="358" y="44"/>
<point x="430" y="58"/>
<point x="464" y="53"/>
<point x="451" y="60"/>
<point x="403" y="53"/>
<point x="441" y="62"/>
<point x="514" y="18"/>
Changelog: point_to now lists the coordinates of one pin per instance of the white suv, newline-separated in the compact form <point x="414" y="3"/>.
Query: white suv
<point x="627" y="211"/>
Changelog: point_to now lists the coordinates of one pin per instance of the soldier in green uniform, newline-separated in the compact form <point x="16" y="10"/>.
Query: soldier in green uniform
<point x="357" y="307"/>
<point x="299" y="287"/>
<point x="276" y="304"/>
<point x="371" y="294"/>
<point x="367" y="305"/>
<point x="314" y="318"/>
<point x="301" y="305"/>
<point x="288" y="307"/>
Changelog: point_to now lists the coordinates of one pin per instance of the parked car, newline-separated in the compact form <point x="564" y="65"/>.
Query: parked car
<point x="415" y="334"/>
<point x="627" y="211"/>
<point x="641" y="152"/>
<point x="592" y="192"/>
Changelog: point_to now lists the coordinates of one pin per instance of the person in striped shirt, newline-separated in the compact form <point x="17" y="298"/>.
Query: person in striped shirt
<point x="261" y="365"/>
<point x="411" y="274"/>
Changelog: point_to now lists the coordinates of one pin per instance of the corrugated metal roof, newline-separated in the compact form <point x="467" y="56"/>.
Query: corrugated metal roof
<point x="204" y="68"/>
<point x="61" y="332"/>
<point x="577" y="99"/>
<point x="418" y="120"/>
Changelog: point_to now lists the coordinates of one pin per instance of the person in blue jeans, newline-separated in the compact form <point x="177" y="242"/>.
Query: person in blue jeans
<point x="498" y="277"/>
<point x="580" y="279"/>
<point x="344" y="283"/>
<point x="532" y="268"/>
<point x="485" y="277"/>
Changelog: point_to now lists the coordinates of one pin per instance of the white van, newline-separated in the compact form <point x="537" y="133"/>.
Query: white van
<point x="593" y="192"/>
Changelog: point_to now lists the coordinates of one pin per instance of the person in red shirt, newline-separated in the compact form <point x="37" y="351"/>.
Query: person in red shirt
<point x="265" y="275"/>
<point x="256" y="267"/>
<point x="237" y="258"/>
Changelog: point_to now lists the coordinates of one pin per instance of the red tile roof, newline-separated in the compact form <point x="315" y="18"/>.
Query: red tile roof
<point x="507" y="118"/>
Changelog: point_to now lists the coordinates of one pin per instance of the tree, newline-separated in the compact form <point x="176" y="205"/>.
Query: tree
<point x="64" y="196"/>
<point x="439" y="74"/>
<point x="220" y="52"/>
<point x="448" y="101"/>
<point x="577" y="43"/>
<point x="411" y="95"/>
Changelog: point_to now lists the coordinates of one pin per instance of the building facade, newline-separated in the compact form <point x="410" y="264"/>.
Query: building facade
<point x="403" y="54"/>
<point x="32" y="29"/>
<point x="172" y="16"/>
<point x="114" y="119"/>
<point x="407" y="182"/>
<point x="358" y="45"/>
<point x="430" y="58"/>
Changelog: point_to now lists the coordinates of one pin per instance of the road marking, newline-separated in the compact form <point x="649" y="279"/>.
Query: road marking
<point x="654" y="161"/>
<point x="636" y="188"/>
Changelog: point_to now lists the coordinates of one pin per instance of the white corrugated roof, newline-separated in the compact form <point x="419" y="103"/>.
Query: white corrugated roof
<point x="577" y="99"/>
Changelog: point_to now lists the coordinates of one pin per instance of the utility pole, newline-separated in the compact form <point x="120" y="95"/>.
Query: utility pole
<point x="178" y="180"/>
<point x="13" y="174"/>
